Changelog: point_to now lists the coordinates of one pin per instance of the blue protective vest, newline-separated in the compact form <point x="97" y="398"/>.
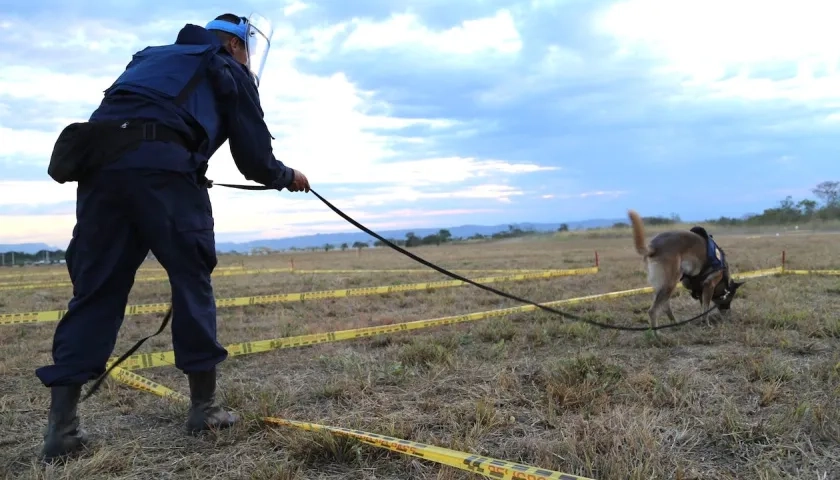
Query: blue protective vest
<point x="161" y="73"/>
<point x="715" y="260"/>
<point x="715" y="257"/>
<point x="149" y="86"/>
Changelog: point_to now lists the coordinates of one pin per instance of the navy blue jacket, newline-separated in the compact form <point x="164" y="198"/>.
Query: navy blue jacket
<point x="224" y="106"/>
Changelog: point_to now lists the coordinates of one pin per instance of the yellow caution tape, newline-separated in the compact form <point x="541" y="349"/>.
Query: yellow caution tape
<point x="160" y="271"/>
<point x="11" y="286"/>
<point x="143" y="383"/>
<point x="487" y="466"/>
<point x="811" y="272"/>
<point x="225" y="273"/>
<point x="759" y="273"/>
<point x="161" y="359"/>
<point x="29" y="274"/>
<point x="55" y="315"/>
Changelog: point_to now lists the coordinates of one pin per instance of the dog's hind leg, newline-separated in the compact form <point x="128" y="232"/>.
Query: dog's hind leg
<point x="668" y="309"/>
<point x="672" y="285"/>
<point x="661" y="301"/>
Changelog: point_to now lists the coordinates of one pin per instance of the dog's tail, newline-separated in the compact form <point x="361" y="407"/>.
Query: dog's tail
<point x="638" y="233"/>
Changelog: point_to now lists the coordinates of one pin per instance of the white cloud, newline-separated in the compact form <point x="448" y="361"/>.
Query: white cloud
<point x="558" y="64"/>
<point x="51" y="229"/>
<point x="34" y="193"/>
<point x="91" y="36"/>
<point x="408" y="194"/>
<point x="23" y="145"/>
<point x="601" y="193"/>
<point x="705" y="42"/>
<point x="326" y="126"/>
<point x="294" y="7"/>
<point x="588" y="194"/>
<point x="39" y="83"/>
<point x="496" y="34"/>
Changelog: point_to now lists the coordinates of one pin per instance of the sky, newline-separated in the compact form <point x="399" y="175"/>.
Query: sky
<point x="433" y="113"/>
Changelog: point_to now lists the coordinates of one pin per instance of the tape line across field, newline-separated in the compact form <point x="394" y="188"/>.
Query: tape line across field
<point x="161" y="359"/>
<point x="63" y="272"/>
<point x="26" y="285"/>
<point x="55" y="315"/>
<point x="811" y="272"/>
<point x="489" y="467"/>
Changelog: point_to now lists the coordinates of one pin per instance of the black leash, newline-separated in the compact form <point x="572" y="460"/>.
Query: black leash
<point x="93" y="388"/>
<point x="462" y="278"/>
<point x="423" y="261"/>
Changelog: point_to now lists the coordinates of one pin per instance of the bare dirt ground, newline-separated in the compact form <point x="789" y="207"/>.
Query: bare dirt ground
<point x="756" y="396"/>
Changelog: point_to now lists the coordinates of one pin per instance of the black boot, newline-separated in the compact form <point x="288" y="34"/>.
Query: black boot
<point x="204" y="414"/>
<point x="63" y="436"/>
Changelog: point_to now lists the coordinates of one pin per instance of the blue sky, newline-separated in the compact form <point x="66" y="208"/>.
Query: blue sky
<point x="436" y="113"/>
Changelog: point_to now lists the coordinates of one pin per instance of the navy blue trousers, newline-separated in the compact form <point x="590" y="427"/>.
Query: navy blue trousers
<point x="121" y="216"/>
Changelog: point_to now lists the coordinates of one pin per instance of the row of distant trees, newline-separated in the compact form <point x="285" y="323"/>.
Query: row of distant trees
<point x="441" y="237"/>
<point x="788" y="212"/>
<point x="41" y="257"/>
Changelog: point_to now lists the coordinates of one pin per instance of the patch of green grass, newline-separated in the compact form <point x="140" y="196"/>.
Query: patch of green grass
<point x="496" y="330"/>
<point x="425" y="352"/>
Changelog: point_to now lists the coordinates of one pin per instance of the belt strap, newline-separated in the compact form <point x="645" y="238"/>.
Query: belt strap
<point x="157" y="132"/>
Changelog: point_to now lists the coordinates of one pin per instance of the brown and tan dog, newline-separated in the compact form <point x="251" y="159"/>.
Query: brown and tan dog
<point x="690" y="257"/>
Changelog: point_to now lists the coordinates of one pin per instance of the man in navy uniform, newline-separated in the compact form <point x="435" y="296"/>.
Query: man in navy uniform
<point x="184" y="100"/>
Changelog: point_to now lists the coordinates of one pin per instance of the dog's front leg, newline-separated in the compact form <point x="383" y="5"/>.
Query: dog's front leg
<point x="706" y="298"/>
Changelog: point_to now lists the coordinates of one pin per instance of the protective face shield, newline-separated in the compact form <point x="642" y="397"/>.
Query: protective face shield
<point x="255" y="32"/>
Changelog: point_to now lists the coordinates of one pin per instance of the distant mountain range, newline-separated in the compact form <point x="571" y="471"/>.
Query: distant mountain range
<point x="337" y="239"/>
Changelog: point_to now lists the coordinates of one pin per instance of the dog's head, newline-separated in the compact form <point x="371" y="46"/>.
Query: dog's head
<point x="725" y="293"/>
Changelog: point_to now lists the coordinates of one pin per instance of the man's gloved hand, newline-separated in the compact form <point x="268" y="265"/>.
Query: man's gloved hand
<point x="300" y="183"/>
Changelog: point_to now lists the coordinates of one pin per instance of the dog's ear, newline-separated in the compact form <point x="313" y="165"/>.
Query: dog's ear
<point x="733" y="285"/>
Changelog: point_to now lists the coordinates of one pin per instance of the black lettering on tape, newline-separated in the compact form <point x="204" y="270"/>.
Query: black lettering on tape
<point x="473" y="463"/>
<point x="497" y="472"/>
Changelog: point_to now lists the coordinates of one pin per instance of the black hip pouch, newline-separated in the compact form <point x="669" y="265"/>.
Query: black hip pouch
<point x="83" y="147"/>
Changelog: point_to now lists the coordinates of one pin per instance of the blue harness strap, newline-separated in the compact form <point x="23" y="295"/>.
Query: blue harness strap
<point x="715" y="260"/>
<point x="714" y="255"/>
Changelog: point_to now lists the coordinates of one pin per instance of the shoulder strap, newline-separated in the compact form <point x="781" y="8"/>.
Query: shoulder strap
<point x="192" y="84"/>
<point x="197" y="77"/>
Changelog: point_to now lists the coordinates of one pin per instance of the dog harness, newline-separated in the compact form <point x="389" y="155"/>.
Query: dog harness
<point x="715" y="261"/>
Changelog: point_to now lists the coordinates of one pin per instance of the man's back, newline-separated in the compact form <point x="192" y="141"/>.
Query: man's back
<point x="146" y="90"/>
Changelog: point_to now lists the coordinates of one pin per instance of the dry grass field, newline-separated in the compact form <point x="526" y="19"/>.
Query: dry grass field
<point x="756" y="396"/>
